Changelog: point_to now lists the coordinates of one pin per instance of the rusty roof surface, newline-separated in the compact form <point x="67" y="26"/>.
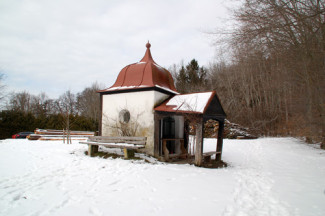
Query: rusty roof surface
<point x="144" y="74"/>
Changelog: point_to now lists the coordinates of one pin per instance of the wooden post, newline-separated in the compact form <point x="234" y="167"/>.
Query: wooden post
<point x="100" y="120"/>
<point x="128" y="153"/>
<point x="156" y="135"/>
<point x="68" y="127"/>
<point x="184" y="152"/>
<point x="220" y="140"/>
<point x="63" y="136"/>
<point x="199" y="143"/>
<point x="92" y="149"/>
<point x="70" y="139"/>
<point x="166" y="152"/>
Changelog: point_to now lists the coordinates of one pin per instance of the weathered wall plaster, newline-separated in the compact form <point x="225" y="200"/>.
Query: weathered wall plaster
<point x="141" y="105"/>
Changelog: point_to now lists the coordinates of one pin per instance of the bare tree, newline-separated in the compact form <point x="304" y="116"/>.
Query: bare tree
<point x="66" y="106"/>
<point x="276" y="79"/>
<point x="88" y="102"/>
<point x="20" y="101"/>
<point x="2" y="86"/>
<point x="41" y="105"/>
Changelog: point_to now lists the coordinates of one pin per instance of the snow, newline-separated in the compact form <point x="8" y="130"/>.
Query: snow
<point x="166" y="89"/>
<point x="140" y="86"/>
<point x="267" y="176"/>
<point x="124" y="87"/>
<point x="195" y="102"/>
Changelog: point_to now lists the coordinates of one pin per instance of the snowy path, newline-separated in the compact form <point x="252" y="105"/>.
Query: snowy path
<point x="271" y="176"/>
<point x="276" y="176"/>
<point x="252" y="195"/>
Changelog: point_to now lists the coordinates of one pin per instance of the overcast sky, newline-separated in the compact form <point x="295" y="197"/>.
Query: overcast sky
<point x="56" y="45"/>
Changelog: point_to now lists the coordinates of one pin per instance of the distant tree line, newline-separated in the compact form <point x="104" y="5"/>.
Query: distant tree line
<point x="275" y="78"/>
<point x="2" y="86"/>
<point x="26" y="112"/>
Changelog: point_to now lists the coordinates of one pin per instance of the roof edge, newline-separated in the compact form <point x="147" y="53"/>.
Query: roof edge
<point x="135" y="89"/>
<point x="160" y="108"/>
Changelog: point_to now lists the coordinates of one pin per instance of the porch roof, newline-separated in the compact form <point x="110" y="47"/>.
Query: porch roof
<point x="193" y="103"/>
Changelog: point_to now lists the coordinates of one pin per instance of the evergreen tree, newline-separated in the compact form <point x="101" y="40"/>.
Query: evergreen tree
<point x="191" y="78"/>
<point x="181" y="80"/>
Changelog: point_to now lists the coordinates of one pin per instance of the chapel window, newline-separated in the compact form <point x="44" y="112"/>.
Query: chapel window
<point x="124" y="116"/>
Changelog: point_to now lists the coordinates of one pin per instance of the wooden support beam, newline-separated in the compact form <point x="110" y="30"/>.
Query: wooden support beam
<point x="199" y="143"/>
<point x="92" y="149"/>
<point x="220" y="140"/>
<point x="184" y="151"/>
<point x="165" y="150"/>
<point x="156" y="134"/>
<point x="100" y="116"/>
<point x="128" y="153"/>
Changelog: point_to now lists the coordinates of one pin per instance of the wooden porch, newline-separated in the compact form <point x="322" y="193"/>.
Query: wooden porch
<point x="185" y="112"/>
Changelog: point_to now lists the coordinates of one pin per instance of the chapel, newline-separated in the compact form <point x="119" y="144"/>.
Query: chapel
<point x="144" y="102"/>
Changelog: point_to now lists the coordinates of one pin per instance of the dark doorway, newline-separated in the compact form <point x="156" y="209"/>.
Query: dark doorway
<point x="168" y="132"/>
<point x="186" y="133"/>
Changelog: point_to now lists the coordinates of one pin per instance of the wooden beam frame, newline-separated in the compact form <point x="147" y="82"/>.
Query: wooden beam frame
<point x="199" y="143"/>
<point x="220" y="139"/>
<point x="100" y="120"/>
<point x="200" y="120"/>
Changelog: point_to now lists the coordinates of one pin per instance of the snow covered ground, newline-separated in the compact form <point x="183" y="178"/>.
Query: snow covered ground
<point x="268" y="176"/>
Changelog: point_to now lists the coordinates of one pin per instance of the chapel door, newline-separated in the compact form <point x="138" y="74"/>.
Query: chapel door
<point x="168" y="132"/>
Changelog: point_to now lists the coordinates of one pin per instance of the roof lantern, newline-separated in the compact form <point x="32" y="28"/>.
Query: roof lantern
<point x="142" y="75"/>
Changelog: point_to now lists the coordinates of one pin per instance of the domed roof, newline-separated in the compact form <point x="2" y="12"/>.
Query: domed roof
<point x="142" y="75"/>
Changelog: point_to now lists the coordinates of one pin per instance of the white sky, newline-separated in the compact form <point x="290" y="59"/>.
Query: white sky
<point x="53" y="46"/>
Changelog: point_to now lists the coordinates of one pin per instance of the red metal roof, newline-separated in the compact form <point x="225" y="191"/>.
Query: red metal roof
<point x="144" y="74"/>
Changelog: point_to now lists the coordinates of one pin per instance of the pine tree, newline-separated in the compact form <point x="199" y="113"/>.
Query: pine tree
<point x="191" y="78"/>
<point x="181" y="80"/>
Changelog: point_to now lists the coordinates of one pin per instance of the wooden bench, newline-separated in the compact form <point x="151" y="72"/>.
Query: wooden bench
<point x="207" y="155"/>
<point x="128" y="144"/>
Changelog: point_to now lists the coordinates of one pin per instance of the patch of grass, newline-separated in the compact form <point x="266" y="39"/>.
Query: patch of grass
<point x="111" y="155"/>
<point x="215" y="164"/>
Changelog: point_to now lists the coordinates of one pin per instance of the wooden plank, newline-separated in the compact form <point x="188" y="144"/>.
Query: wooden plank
<point x="121" y="146"/>
<point x="62" y="132"/>
<point x="119" y="141"/>
<point x="211" y="153"/>
<point x="137" y="140"/>
<point x="112" y="145"/>
<point x="119" y="138"/>
<point x="173" y="139"/>
<point x="207" y="155"/>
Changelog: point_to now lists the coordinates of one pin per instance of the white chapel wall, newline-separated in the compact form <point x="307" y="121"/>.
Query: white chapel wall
<point x="140" y="104"/>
